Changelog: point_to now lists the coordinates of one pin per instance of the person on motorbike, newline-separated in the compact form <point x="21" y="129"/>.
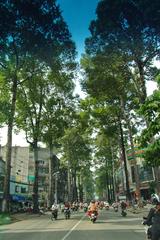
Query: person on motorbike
<point x="85" y="206"/>
<point x="93" y="208"/>
<point x="115" y="206"/>
<point x="153" y="220"/>
<point x="54" y="210"/>
<point x="123" y="208"/>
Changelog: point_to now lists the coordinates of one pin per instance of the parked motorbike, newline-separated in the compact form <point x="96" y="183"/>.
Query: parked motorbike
<point x="67" y="213"/>
<point x="54" y="214"/>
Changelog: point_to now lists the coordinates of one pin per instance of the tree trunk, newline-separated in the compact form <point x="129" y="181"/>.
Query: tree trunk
<point x="113" y="176"/>
<point x="69" y="182"/>
<point x="35" y="186"/>
<point x="50" y="189"/>
<point x="157" y="179"/>
<point x="142" y="82"/>
<point x="6" y="194"/>
<point x="128" y="194"/>
<point x="137" y="179"/>
<point x="75" y="195"/>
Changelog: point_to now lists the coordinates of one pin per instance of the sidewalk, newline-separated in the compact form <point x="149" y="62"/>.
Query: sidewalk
<point x="25" y="216"/>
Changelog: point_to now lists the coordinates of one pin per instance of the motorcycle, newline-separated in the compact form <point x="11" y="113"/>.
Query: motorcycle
<point x="123" y="213"/>
<point x="92" y="216"/>
<point x="67" y="213"/>
<point x="54" y="214"/>
<point x="148" y="229"/>
<point x="107" y="207"/>
<point x="116" y="209"/>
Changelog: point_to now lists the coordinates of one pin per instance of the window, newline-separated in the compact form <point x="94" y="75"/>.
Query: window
<point x="146" y="174"/>
<point x="16" y="189"/>
<point x="23" y="190"/>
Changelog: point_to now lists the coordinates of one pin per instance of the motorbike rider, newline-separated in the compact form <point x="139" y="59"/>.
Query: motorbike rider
<point x="67" y="207"/>
<point x="153" y="219"/>
<point x="85" y="206"/>
<point x="93" y="208"/>
<point x="123" y="208"/>
<point x="115" y="206"/>
<point x="54" y="208"/>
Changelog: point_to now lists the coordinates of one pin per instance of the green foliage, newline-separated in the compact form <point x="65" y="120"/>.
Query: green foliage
<point x="152" y="154"/>
<point x="150" y="135"/>
<point x="125" y="28"/>
<point x="76" y="148"/>
<point x="33" y="28"/>
<point x="4" y="103"/>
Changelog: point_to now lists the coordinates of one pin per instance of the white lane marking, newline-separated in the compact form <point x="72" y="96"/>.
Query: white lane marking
<point x="71" y="230"/>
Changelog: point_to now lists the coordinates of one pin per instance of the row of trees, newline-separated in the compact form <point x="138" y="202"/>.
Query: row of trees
<point x="37" y="68"/>
<point x="119" y="58"/>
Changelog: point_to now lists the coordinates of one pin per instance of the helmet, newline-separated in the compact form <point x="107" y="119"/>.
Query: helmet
<point x="93" y="201"/>
<point x="155" y="199"/>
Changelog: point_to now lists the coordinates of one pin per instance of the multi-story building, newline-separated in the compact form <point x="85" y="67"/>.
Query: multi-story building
<point x="19" y="172"/>
<point x="43" y="178"/>
<point x="23" y="174"/>
<point x="146" y="175"/>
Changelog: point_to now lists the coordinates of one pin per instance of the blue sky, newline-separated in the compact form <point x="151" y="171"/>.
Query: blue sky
<point x="78" y="15"/>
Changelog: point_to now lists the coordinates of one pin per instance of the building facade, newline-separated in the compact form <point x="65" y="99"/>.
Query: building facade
<point x="19" y="172"/>
<point x="146" y="175"/>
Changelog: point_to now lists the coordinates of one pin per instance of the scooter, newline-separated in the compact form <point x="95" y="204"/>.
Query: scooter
<point x="67" y="213"/>
<point x="147" y="229"/>
<point x="54" y="214"/>
<point x="107" y="207"/>
<point x="123" y="213"/>
<point x="93" y="217"/>
<point x="116" y="209"/>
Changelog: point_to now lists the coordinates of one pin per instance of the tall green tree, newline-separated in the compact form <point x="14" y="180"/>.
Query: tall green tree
<point x="126" y="28"/>
<point x="28" y="28"/>
<point x="59" y="113"/>
<point x="77" y="154"/>
<point x="150" y="136"/>
<point x="31" y="99"/>
<point x="110" y="81"/>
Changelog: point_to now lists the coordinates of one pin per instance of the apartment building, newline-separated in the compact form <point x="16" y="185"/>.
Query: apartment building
<point x="146" y="175"/>
<point x="19" y="172"/>
<point x="43" y="169"/>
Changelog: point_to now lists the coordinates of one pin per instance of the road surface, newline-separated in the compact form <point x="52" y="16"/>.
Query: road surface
<point x="109" y="226"/>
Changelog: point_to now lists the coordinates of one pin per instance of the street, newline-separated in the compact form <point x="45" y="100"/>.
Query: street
<point x="109" y="226"/>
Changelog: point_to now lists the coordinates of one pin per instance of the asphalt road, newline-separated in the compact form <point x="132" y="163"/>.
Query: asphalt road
<point x="109" y="226"/>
